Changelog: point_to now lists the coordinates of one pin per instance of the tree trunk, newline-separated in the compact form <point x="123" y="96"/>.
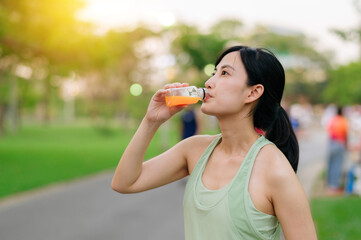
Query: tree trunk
<point x="13" y="104"/>
<point x="45" y="103"/>
<point x="2" y="119"/>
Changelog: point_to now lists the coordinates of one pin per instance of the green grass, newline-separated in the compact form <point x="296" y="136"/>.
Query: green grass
<point x="39" y="155"/>
<point x="337" y="218"/>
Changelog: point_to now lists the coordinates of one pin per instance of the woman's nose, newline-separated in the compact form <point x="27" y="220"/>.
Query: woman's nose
<point x="209" y="83"/>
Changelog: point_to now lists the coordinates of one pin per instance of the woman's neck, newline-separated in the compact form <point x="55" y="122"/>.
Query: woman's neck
<point x="238" y="134"/>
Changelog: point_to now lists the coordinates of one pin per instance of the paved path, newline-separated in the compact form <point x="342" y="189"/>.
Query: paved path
<point x="313" y="149"/>
<point x="88" y="209"/>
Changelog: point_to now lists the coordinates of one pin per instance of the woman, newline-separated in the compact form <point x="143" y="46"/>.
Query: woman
<point x="241" y="185"/>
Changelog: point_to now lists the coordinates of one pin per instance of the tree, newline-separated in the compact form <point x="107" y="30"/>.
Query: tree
<point x="194" y="50"/>
<point x="352" y="34"/>
<point x="47" y="38"/>
<point x="38" y="31"/>
<point x="228" y="29"/>
<point x="306" y="68"/>
<point x="344" y="85"/>
<point x="110" y="72"/>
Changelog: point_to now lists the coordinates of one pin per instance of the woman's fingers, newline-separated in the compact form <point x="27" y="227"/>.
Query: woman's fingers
<point x="160" y="94"/>
<point x="175" y="85"/>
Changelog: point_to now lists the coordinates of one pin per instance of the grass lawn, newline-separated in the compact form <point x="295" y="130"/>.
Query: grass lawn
<point x="337" y="217"/>
<point x="39" y="155"/>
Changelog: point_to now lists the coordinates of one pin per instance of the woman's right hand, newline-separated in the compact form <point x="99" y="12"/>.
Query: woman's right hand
<point x="158" y="111"/>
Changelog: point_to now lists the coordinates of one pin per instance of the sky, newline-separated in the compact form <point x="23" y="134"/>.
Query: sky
<point x="314" y="18"/>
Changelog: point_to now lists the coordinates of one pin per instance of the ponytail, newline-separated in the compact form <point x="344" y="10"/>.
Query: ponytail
<point x="282" y="135"/>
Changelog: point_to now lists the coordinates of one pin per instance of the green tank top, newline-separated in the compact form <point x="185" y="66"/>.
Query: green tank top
<point x="226" y="213"/>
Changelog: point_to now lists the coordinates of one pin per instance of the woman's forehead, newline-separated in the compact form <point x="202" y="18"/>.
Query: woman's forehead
<point x="233" y="59"/>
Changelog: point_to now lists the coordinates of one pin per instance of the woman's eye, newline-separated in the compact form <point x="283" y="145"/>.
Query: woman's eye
<point x="214" y="73"/>
<point x="224" y="72"/>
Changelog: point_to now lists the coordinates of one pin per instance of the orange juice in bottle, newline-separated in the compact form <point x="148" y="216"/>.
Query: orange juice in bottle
<point x="184" y="95"/>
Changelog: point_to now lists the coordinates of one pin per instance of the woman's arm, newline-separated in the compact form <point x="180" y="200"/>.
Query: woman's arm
<point x="132" y="175"/>
<point x="290" y="201"/>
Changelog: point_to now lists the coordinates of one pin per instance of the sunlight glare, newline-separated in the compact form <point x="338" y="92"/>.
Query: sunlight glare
<point x="136" y="89"/>
<point x="166" y="19"/>
<point x="209" y="69"/>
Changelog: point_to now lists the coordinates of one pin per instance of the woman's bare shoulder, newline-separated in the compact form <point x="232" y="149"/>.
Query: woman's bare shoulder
<point x="197" y="143"/>
<point x="275" y="164"/>
<point x="193" y="148"/>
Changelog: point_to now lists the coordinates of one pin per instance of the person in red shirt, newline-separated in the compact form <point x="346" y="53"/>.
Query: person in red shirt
<point x="337" y="131"/>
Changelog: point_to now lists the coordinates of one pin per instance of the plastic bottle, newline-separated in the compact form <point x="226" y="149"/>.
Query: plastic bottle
<point x="184" y="95"/>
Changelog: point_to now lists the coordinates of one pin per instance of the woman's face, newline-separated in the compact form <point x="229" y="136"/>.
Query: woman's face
<point x="227" y="88"/>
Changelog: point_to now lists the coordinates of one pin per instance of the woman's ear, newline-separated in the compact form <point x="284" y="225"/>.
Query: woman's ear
<point x="255" y="93"/>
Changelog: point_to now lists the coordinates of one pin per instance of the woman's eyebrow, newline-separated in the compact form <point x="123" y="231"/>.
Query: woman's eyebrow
<point x="226" y="66"/>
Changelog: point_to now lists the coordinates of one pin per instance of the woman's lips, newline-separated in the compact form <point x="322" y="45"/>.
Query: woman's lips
<point x="208" y="96"/>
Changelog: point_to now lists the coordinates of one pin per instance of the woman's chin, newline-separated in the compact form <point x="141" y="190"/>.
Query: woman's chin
<point x="207" y="110"/>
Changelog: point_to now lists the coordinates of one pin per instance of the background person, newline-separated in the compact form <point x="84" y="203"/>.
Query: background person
<point x="337" y="131"/>
<point x="190" y="122"/>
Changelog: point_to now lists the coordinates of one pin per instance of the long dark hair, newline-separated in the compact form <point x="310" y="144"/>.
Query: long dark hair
<point x="263" y="67"/>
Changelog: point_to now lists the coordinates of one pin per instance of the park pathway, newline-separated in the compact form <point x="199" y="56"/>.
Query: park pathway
<point x="88" y="209"/>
